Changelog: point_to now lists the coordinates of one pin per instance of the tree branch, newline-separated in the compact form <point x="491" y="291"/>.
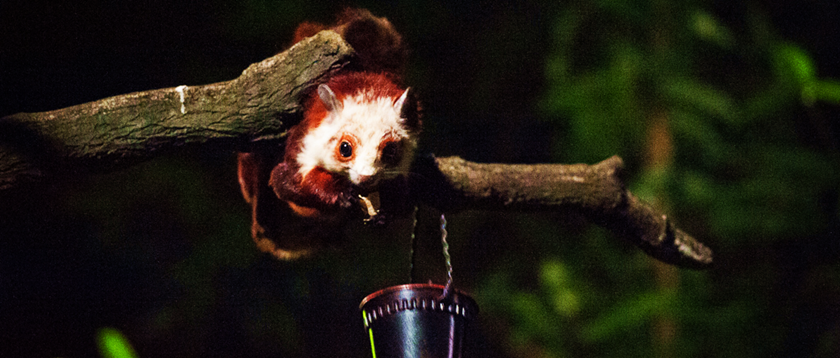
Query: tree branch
<point x="596" y="191"/>
<point x="259" y="105"/>
<point x="264" y="102"/>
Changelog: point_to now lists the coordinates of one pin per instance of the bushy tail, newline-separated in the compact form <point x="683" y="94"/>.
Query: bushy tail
<point x="379" y="47"/>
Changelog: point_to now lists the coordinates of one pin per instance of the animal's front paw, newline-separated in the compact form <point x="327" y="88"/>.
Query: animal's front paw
<point x="347" y="200"/>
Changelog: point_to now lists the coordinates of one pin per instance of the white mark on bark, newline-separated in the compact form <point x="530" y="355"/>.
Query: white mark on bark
<point x="180" y="89"/>
<point x="574" y="178"/>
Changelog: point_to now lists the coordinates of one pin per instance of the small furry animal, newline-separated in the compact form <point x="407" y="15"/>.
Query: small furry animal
<point x="355" y="143"/>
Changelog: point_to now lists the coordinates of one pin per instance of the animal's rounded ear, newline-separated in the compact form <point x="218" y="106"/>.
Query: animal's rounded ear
<point x="328" y="97"/>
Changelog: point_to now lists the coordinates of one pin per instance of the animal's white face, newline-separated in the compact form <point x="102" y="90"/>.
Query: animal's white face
<point x="362" y="138"/>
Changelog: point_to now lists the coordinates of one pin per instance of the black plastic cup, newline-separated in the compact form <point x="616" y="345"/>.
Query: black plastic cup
<point x="415" y="321"/>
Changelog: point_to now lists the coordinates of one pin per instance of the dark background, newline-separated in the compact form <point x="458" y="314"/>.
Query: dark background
<point x="744" y="94"/>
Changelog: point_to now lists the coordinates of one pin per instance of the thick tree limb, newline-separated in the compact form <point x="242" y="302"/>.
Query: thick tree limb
<point x="263" y="103"/>
<point x="596" y="191"/>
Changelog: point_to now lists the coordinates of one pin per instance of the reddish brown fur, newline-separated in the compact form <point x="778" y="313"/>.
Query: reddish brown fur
<point x="311" y="209"/>
<point x="307" y="29"/>
<point x="350" y="84"/>
<point x="379" y="47"/>
<point x="287" y="182"/>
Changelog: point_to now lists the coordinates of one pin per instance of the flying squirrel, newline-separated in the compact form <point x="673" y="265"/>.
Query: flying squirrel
<point x="348" y="157"/>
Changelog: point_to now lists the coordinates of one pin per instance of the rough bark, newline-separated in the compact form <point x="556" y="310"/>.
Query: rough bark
<point x="263" y="103"/>
<point x="596" y="191"/>
<point x="259" y="105"/>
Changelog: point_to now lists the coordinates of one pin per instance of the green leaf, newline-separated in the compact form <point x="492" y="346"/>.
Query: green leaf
<point x="708" y="28"/>
<point x="828" y="91"/>
<point x="558" y="281"/>
<point x="797" y="61"/>
<point x="113" y="344"/>
<point x="703" y="98"/>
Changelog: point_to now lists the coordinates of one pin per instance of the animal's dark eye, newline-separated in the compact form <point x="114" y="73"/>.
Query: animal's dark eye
<point x="345" y="149"/>
<point x="390" y="153"/>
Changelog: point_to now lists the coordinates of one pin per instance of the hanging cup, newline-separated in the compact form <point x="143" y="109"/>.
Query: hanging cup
<point x="415" y="321"/>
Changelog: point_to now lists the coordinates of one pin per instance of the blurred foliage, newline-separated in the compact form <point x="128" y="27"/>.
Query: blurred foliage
<point x="754" y="165"/>
<point x="726" y="115"/>
<point x="113" y="344"/>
